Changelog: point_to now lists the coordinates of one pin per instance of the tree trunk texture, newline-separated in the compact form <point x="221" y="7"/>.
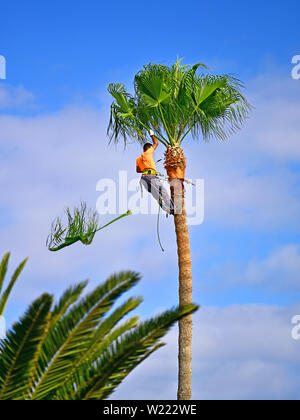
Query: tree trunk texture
<point x="185" y="292"/>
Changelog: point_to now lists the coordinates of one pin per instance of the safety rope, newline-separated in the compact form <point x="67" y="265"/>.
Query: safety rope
<point x="163" y="178"/>
<point x="158" y="236"/>
<point x="167" y="178"/>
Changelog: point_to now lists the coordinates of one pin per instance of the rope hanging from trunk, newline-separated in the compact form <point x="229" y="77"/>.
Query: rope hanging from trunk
<point x="157" y="228"/>
<point x="164" y="178"/>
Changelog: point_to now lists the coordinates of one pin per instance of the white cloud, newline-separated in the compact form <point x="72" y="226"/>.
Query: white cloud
<point x="277" y="273"/>
<point x="280" y="270"/>
<point x="53" y="160"/>
<point x="15" y="97"/>
<point x="248" y="180"/>
<point x="275" y="130"/>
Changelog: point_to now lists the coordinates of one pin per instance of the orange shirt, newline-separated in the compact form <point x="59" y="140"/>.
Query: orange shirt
<point x="145" y="160"/>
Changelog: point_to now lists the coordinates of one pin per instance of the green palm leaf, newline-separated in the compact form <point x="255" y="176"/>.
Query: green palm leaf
<point x="70" y="336"/>
<point x="20" y="349"/>
<point x="175" y="101"/>
<point x="10" y="286"/>
<point x="77" y="348"/>
<point x="150" y="83"/>
<point x="70" y="296"/>
<point x="123" y="99"/>
<point x="104" y="335"/>
<point x="82" y="226"/>
<point x="3" y="269"/>
<point x="125" y="354"/>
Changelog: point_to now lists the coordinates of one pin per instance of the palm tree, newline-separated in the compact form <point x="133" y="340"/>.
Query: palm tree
<point x="174" y="102"/>
<point x="77" y="349"/>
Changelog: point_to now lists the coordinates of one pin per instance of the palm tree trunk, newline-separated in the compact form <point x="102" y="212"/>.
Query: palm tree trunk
<point x="185" y="293"/>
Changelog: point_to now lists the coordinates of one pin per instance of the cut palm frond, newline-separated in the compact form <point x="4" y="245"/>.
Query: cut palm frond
<point x="82" y="226"/>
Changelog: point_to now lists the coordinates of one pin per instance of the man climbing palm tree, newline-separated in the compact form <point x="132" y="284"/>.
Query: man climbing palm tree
<point x="177" y="103"/>
<point x="146" y="166"/>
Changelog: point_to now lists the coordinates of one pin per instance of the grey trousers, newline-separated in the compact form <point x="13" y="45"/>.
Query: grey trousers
<point x="155" y="187"/>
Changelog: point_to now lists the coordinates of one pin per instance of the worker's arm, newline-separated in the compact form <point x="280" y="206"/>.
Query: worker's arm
<point x="154" y="139"/>
<point x="138" y="170"/>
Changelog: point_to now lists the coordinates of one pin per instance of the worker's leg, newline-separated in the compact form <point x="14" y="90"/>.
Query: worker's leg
<point x="159" y="193"/>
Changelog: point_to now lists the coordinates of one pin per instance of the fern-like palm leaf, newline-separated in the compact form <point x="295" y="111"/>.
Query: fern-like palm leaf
<point x="82" y="226"/>
<point x="79" y="347"/>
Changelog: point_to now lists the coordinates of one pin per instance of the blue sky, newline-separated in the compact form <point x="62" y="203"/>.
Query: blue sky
<point x="61" y="51"/>
<point x="53" y="150"/>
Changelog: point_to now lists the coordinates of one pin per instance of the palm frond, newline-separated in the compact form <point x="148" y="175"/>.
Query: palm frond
<point x="103" y="336"/>
<point x="6" y="293"/>
<point x="125" y="354"/>
<point x="110" y="388"/>
<point x="124" y="121"/>
<point x="70" y="296"/>
<point x="69" y="337"/>
<point x="20" y="349"/>
<point x="150" y="85"/>
<point x="79" y="349"/>
<point x="82" y="226"/>
<point x="175" y="101"/>
<point x="3" y="269"/>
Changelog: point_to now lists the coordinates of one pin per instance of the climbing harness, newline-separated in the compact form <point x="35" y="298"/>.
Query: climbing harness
<point x="168" y="178"/>
<point x="150" y="171"/>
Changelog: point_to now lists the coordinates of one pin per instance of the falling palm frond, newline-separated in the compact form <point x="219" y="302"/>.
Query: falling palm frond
<point x="82" y="226"/>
